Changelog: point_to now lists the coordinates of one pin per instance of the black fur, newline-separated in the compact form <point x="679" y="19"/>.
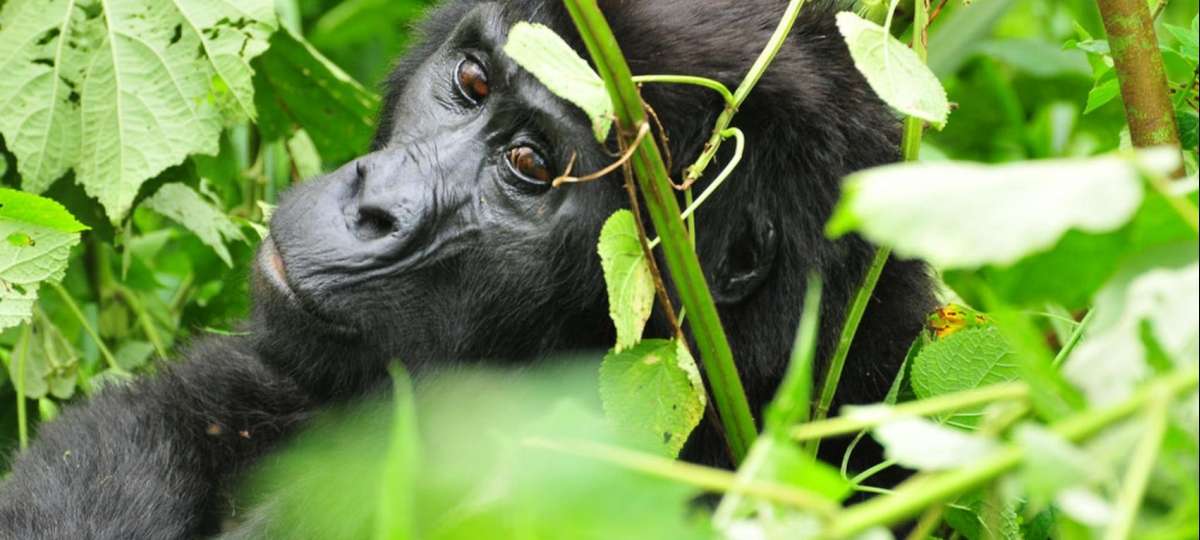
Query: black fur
<point x="468" y="271"/>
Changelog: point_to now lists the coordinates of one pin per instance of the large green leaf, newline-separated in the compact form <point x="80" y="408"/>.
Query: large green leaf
<point x="544" y="54"/>
<point x="122" y="89"/>
<point x="893" y="70"/>
<point x="36" y="235"/>
<point x="627" y="274"/>
<point x="296" y="86"/>
<point x="965" y="215"/>
<point x="182" y="204"/>
<point x="653" y="392"/>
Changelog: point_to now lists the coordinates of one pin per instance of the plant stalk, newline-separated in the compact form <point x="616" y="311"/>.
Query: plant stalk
<point x="743" y="90"/>
<point x="1140" y="71"/>
<point x="946" y="403"/>
<point x="1133" y="488"/>
<point x="659" y="196"/>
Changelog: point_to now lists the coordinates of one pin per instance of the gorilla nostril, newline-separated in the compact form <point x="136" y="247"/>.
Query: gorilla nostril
<point x="373" y="223"/>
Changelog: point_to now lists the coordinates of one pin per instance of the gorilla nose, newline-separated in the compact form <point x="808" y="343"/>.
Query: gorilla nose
<point x="387" y="200"/>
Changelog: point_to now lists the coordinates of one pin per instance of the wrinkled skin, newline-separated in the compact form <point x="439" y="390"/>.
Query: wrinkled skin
<point x="433" y="250"/>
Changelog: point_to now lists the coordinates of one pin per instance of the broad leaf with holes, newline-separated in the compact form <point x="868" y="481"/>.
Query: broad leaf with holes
<point x="36" y="235"/>
<point x="653" y="392"/>
<point x="630" y="285"/>
<point x="120" y="90"/>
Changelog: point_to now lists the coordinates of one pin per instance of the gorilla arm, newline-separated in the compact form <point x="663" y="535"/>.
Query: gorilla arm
<point x="148" y="459"/>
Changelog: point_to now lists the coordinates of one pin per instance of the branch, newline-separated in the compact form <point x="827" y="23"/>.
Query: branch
<point x="1141" y="73"/>
<point x="659" y="195"/>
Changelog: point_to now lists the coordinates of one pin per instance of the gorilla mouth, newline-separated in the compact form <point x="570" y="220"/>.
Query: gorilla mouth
<point x="270" y="264"/>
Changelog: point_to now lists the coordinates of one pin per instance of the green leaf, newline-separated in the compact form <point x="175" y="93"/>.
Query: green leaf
<point x="1189" y="42"/>
<point x="133" y="354"/>
<point x="893" y="70"/>
<point x="46" y="232"/>
<point x="924" y="445"/>
<point x="122" y="90"/>
<point x="627" y="274"/>
<point x="1052" y="464"/>
<point x="967" y="517"/>
<point x="964" y="215"/>
<point x="295" y="85"/>
<point x="34" y="210"/>
<point x="544" y="54"/>
<point x="1080" y="263"/>
<point x="186" y="207"/>
<point x="51" y="363"/>
<point x="1151" y="296"/>
<point x="304" y="155"/>
<point x="1107" y="88"/>
<point x="966" y="359"/>
<point x="653" y="392"/>
<point x="1036" y="57"/>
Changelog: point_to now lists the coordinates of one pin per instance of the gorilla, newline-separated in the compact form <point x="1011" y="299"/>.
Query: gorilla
<point x="446" y="245"/>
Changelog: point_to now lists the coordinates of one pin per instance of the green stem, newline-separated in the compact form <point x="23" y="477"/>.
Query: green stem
<point x="19" y="385"/>
<point x="794" y="397"/>
<point x="1072" y="341"/>
<point x="689" y="213"/>
<point x="87" y="327"/>
<point x="1133" y="488"/>
<point x="946" y="403"/>
<point x="707" y="478"/>
<point x="924" y="491"/>
<point x="1140" y="72"/>
<point x="858" y="306"/>
<point x="743" y="90"/>
<point x="689" y="79"/>
<point x="659" y="196"/>
<point x="928" y="522"/>
<point x="875" y="469"/>
<point x="144" y="319"/>
<point x="910" y="150"/>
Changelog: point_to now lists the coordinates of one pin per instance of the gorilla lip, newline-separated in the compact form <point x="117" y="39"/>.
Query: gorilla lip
<point x="274" y="270"/>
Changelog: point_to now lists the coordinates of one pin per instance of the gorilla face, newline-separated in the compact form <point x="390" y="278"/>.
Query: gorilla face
<point x="447" y="242"/>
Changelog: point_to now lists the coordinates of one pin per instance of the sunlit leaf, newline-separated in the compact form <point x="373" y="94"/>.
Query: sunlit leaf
<point x="923" y="445"/>
<point x="893" y="70"/>
<point x="627" y="274"/>
<point x="44" y="232"/>
<point x="541" y="52"/>
<point x="963" y="215"/>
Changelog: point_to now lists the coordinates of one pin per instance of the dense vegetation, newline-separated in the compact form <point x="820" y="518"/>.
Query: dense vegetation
<point x="1054" y="395"/>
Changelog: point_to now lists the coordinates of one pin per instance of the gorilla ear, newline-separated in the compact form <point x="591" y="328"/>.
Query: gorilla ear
<point x="747" y="258"/>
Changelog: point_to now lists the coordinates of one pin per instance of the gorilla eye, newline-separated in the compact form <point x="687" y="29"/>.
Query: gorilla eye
<point x="529" y="165"/>
<point x="472" y="81"/>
